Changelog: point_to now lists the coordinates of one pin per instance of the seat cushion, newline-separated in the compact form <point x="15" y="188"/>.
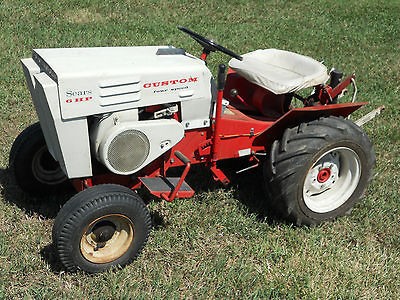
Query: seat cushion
<point x="280" y="71"/>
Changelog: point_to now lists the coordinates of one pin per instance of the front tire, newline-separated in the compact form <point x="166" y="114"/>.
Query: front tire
<point x="101" y="227"/>
<point x="35" y="170"/>
<point x="319" y="170"/>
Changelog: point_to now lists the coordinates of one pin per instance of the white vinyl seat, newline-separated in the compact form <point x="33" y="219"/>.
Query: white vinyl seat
<point x="280" y="71"/>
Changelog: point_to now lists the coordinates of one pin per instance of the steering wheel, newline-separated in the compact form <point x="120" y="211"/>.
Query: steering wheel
<point x="209" y="45"/>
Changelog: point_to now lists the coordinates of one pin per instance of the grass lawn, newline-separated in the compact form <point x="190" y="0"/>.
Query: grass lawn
<point x="222" y="243"/>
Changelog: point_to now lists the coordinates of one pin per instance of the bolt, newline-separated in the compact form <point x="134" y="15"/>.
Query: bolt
<point x="233" y="92"/>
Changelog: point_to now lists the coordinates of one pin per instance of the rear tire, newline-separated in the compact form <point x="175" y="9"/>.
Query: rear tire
<point x="35" y="170"/>
<point x="318" y="170"/>
<point x="101" y="227"/>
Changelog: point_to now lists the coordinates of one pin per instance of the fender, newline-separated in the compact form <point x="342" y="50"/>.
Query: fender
<point x="304" y="114"/>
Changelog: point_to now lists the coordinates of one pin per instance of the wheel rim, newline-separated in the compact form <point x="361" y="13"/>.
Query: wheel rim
<point x="45" y="169"/>
<point x="107" y="238"/>
<point x="331" y="181"/>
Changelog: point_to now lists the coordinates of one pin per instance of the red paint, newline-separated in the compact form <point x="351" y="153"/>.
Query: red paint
<point x="324" y="175"/>
<point x="217" y="128"/>
<point x="78" y="100"/>
<point x="175" y="191"/>
<point x="327" y="93"/>
<point x="170" y="82"/>
<point x="342" y="85"/>
<point x="255" y="118"/>
<point x="203" y="56"/>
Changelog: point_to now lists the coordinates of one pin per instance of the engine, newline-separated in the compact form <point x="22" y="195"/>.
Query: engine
<point x="124" y="144"/>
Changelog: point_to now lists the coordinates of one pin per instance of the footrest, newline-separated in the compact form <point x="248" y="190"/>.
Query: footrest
<point x="165" y="185"/>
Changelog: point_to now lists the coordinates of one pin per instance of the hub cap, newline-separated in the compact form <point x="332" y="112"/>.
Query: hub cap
<point x="331" y="181"/>
<point x="107" y="238"/>
<point x="324" y="175"/>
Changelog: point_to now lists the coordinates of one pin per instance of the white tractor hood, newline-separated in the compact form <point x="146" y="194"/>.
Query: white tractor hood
<point x="84" y="62"/>
<point x="90" y="80"/>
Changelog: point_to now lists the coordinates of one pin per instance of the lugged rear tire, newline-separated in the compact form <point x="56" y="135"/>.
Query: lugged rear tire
<point x="101" y="227"/>
<point x="318" y="170"/>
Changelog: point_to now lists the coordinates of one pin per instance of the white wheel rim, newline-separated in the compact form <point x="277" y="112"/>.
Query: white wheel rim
<point x="331" y="181"/>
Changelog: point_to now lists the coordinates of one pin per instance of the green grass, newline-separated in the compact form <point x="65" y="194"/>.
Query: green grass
<point x="222" y="243"/>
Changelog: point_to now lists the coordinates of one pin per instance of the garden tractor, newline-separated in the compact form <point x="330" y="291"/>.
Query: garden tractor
<point x="113" y="120"/>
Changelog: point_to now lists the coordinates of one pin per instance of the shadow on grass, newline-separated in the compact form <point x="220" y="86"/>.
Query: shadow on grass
<point x="248" y="186"/>
<point x="46" y="206"/>
<point x="249" y="189"/>
<point x="49" y="254"/>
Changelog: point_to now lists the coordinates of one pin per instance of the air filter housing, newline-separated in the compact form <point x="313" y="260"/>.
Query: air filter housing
<point x="128" y="150"/>
<point x="128" y="146"/>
